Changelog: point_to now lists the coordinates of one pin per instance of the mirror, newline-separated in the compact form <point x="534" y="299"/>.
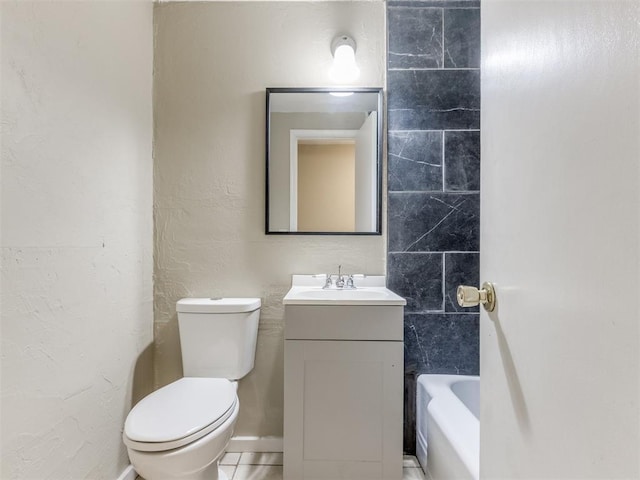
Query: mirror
<point x="324" y="161"/>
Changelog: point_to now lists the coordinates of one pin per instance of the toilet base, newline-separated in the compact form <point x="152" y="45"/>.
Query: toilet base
<point x="212" y="472"/>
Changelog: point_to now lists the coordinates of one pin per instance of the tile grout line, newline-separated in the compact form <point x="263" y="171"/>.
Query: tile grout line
<point x="442" y="20"/>
<point x="432" y="192"/>
<point x="444" y="282"/>
<point x="437" y="130"/>
<point x="434" y="69"/>
<point x="443" y="161"/>
<point x="436" y="252"/>
<point x="397" y="5"/>
<point x="441" y="312"/>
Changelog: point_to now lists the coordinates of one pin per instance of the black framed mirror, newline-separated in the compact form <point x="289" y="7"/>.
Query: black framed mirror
<point x="324" y="161"/>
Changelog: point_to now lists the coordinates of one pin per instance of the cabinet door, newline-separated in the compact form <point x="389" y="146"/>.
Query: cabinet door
<point x="343" y="410"/>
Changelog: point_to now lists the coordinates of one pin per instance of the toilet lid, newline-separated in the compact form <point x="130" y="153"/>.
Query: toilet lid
<point x="180" y="409"/>
<point x="217" y="305"/>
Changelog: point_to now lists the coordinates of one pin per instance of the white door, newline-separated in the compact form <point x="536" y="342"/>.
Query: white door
<point x="560" y="238"/>
<point x="366" y="175"/>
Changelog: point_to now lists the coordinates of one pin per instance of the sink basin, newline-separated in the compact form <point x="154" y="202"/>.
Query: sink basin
<point x="335" y="294"/>
<point x="308" y="295"/>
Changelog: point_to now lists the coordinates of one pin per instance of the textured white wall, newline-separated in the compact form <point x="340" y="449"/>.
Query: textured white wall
<point x="76" y="233"/>
<point x="213" y="62"/>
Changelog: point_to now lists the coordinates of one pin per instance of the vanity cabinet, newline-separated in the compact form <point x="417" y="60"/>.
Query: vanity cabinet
<point x="343" y="392"/>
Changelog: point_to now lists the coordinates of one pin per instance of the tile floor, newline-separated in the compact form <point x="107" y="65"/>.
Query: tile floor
<point x="268" y="466"/>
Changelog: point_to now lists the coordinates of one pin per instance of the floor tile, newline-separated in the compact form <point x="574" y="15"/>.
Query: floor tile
<point x="410" y="461"/>
<point x="258" y="472"/>
<point x="261" y="458"/>
<point x="230" y="470"/>
<point x="268" y="466"/>
<point x="412" y="474"/>
<point x="230" y="458"/>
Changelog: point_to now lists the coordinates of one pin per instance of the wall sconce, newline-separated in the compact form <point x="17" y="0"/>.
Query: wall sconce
<point x="344" y="68"/>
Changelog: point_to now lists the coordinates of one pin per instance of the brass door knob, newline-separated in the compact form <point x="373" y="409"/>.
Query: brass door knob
<point x="471" y="296"/>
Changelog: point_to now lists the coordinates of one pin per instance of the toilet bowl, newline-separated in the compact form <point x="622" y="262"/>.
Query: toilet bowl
<point x="181" y="430"/>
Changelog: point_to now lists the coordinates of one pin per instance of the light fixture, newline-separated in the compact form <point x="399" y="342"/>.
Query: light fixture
<point x="344" y="68"/>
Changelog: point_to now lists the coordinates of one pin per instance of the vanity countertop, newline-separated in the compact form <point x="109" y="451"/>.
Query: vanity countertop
<point x="370" y="290"/>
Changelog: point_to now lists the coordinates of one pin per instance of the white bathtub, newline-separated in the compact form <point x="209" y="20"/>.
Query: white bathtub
<point x="448" y="426"/>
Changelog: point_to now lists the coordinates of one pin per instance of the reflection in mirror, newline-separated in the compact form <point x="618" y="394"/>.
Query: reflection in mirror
<point x="323" y="161"/>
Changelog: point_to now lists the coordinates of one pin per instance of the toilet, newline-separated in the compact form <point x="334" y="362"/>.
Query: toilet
<point x="181" y="430"/>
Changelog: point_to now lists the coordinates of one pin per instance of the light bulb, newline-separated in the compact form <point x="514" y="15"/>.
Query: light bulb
<point x="344" y="68"/>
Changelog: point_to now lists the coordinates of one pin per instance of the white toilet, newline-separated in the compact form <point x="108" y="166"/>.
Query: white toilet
<point x="181" y="430"/>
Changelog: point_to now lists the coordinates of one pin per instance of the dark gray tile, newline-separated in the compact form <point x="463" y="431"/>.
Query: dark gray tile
<point x="433" y="222"/>
<point x="415" y="37"/>
<point x="460" y="269"/>
<point x="418" y="278"/>
<point x="415" y="161"/>
<point x="419" y="101"/>
<point x="462" y="38"/>
<point x="462" y="161"/>
<point x="442" y="343"/>
<point x="433" y="99"/>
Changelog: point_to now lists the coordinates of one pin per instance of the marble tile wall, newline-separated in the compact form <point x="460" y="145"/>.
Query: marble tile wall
<point x="433" y="183"/>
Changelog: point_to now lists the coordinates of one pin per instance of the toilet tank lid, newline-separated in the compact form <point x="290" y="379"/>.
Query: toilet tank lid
<point x="217" y="305"/>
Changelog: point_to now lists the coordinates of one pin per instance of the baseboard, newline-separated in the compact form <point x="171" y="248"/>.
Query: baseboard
<point x="128" y="474"/>
<point x="255" y="444"/>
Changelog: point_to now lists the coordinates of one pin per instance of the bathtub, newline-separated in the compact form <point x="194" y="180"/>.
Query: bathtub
<point x="448" y="426"/>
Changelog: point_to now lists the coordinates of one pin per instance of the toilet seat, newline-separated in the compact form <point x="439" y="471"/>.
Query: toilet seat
<point x="179" y="413"/>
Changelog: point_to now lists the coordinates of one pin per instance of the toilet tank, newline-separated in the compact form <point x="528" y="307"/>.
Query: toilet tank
<point x="218" y="336"/>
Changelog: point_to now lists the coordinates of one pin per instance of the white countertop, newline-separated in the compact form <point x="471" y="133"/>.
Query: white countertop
<point x="370" y="290"/>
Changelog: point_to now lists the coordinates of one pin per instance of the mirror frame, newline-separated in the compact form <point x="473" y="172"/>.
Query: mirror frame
<point x="379" y="145"/>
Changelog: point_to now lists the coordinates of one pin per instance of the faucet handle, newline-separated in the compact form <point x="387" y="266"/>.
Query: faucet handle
<point x="328" y="282"/>
<point x="350" y="282"/>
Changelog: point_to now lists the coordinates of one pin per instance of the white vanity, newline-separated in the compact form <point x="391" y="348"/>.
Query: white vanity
<point x="343" y="386"/>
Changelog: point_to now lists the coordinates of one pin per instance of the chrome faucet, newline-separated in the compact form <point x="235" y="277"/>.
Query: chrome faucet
<point x="342" y="281"/>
